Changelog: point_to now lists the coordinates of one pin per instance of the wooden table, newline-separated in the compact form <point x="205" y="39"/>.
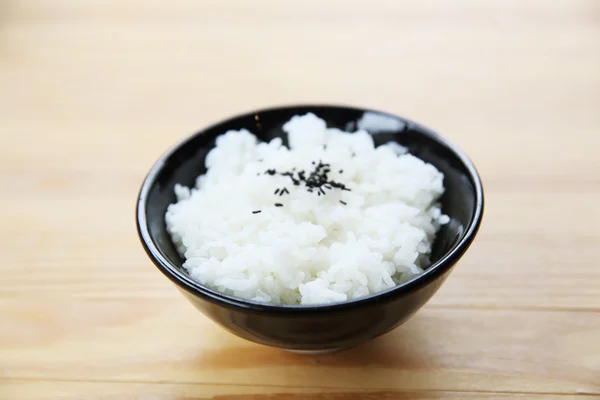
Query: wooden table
<point x="92" y="92"/>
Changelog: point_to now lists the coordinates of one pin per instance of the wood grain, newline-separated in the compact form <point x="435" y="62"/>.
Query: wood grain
<point x="23" y="390"/>
<point x="162" y="339"/>
<point x="93" y="92"/>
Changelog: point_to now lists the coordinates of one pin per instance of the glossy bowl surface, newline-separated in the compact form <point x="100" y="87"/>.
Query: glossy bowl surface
<point x="328" y="327"/>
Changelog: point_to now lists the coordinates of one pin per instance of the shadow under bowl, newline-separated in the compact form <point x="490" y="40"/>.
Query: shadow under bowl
<point x="319" y="328"/>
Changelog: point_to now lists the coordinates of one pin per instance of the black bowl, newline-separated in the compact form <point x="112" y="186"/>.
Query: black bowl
<point x="319" y="328"/>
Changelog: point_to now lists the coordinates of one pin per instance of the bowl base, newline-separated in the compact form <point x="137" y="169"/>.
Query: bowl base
<point x="315" y="352"/>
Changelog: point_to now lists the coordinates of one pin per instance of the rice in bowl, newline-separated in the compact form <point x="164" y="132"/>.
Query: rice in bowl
<point x="328" y="219"/>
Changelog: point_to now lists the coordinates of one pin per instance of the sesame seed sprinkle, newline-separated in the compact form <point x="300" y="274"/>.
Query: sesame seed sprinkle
<point x="316" y="180"/>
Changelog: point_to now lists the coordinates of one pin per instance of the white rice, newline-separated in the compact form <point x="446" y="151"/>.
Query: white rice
<point x="313" y="249"/>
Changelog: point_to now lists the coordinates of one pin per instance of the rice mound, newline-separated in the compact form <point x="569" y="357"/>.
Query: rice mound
<point x="303" y="247"/>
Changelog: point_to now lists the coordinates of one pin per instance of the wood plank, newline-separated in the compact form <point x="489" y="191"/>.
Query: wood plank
<point x="62" y="390"/>
<point x="169" y="341"/>
<point x="511" y="115"/>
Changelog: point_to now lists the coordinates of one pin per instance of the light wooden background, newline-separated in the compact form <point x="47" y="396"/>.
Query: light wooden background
<point x="92" y="92"/>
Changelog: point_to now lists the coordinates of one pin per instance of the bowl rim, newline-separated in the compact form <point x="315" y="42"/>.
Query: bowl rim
<point x="185" y="282"/>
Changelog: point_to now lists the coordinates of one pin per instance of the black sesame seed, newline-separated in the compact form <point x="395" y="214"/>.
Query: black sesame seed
<point x="316" y="179"/>
<point x="343" y="202"/>
<point x="255" y="212"/>
<point x="278" y="205"/>
<point x="341" y="171"/>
